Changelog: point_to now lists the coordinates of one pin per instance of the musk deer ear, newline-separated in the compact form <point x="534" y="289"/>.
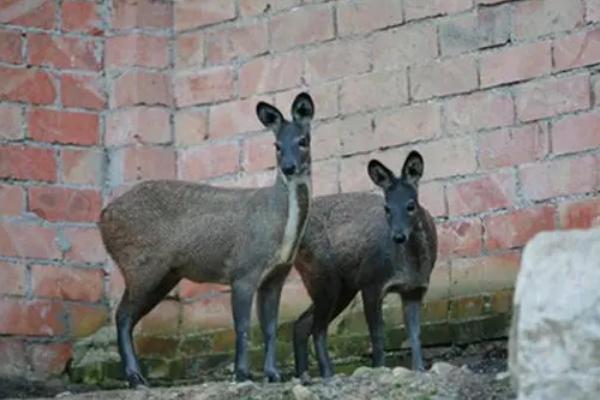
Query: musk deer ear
<point x="303" y="108"/>
<point x="380" y="174"/>
<point x="269" y="115"/>
<point x="412" y="171"/>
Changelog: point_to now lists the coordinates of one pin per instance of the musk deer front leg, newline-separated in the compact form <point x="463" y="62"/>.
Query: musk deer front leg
<point x="411" y="305"/>
<point x="268" y="298"/>
<point x="372" y="301"/>
<point x="241" y="303"/>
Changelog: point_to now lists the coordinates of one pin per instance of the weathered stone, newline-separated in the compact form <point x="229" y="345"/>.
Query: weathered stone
<point x="303" y="393"/>
<point x="442" y="368"/>
<point x="554" y="350"/>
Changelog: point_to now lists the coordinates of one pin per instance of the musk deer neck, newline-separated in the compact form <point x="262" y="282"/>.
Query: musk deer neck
<point x="296" y="194"/>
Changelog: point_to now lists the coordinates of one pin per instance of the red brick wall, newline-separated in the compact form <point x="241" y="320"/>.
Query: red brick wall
<point x="499" y="96"/>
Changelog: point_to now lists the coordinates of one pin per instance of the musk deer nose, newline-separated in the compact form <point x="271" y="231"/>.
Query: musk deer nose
<point x="288" y="169"/>
<point x="399" y="237"/>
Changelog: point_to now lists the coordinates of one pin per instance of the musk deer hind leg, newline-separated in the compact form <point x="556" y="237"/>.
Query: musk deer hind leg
<point x="137" y="301"/>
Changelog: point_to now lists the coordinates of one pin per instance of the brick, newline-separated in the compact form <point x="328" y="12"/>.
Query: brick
<point x="76" y="284"/>
<point x="128" y="14"/>
<point x="191" y="127"/>
<point x="432" y="197"/>
<point x="62" y="204"/>
<point x="268" y="74"/>
<point x="12" y="200"/>
<point x="482" y="194"/>
<point x="459" y="238"/>
<point x="205" y="86"/>
<point x="190" y="50"/>
<point x="355" y="134"/>
<point x="560" y="177"/>
<point x="50" y="359"/>
<point x="12" y="122"/>
<point x="324" y="96"/>
<point x="375" y="90"/>
<point x="63" y="127"/>
<point x="249" y="8"/>
<point x="517" y="227"/>
<point x="443" y="158"/>
<point x="82" y="91"/>
<point x="81" y="16"/>
<point x="84" y="245"/>
<point x="484" y="27"/>
<point x="353" y="174"/>
<point x="257" y="179"/>
<point x="81" y="166"/>
<point x="481" y="110"/>
<point x="300" y="26"/>
<point x="592" y="10"/>
<point x="139" y="163"/>
<point x="489" y="274"/>
<point x="136" y="50"/>
<point x="86" y="320"/>
<point x="234" y="117"/>
<point x="31" y="318"/>
<point x="415" y="9"/>
<point x="13" y="354"/>
<point x="440" y="78"/>
<point x="335" y="60"/>
<point x="513" y="64"/>
<point x="259" y="152"/>
<point x="237" y="42"/>
<point x="189" y="289"/>
<point x="143" y="125"/>
<point x="325" y="177"/>
<point x="212" y="313"/>
<point x="540" y="17"/>
<point x="10" y="47"/>
<point x="576" y="133"/>
<point x="403" y="46"/>
<point x="142" y="88"/>
<point x="66" y="127"/>
<point x="162" y="320"/>
<point x="325" y="139"/>
<point x="29" y="85"/>
<point x="13" y="279"/>
<point x="35" y="14"/>
<point x="20" y="162"/>
<point x="553" y="97"/>
<point x="507" y="147"/>
<point x="577" y="50"/>
<point x="197" y="13"/>
<point x="579" y="214"/>
<point x="199" y="163"/>
<point x="362" y="16"/>
<point x="40" y="241"/>
<point x="63" y="52"/>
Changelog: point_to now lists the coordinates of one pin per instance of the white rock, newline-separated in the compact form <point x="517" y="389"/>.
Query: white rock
<point x="303" y="393"/>
<point x="554" y="350"/>
<point x="402" y="373"/>
<point x="442" y="368"/>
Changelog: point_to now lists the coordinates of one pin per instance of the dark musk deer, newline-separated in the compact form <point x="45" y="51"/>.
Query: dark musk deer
<point x="363" y="242"/>
<point x="162" y="231"/>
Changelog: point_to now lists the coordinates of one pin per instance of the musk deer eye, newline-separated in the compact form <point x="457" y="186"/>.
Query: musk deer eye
<point x="387" y="210"/>
<point x="277" y="146"/>
<point x="410" y="207"/>
<point x="303" y="142"/>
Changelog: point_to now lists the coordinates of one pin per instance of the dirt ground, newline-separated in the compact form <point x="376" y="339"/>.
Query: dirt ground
<point x="474" y="372"/>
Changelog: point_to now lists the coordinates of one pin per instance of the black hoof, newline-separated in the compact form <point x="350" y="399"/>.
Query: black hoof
<point x="243" y="376"/>
<point x="272" y="376"/>
<point x="136" y="380"/>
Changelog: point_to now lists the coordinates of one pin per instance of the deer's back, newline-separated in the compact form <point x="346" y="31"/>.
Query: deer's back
<point x="172" y="217"/>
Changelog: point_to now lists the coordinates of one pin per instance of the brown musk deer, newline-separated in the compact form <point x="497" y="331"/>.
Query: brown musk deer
<point x="363" y="242"/>
<point x="162" y="231"/>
